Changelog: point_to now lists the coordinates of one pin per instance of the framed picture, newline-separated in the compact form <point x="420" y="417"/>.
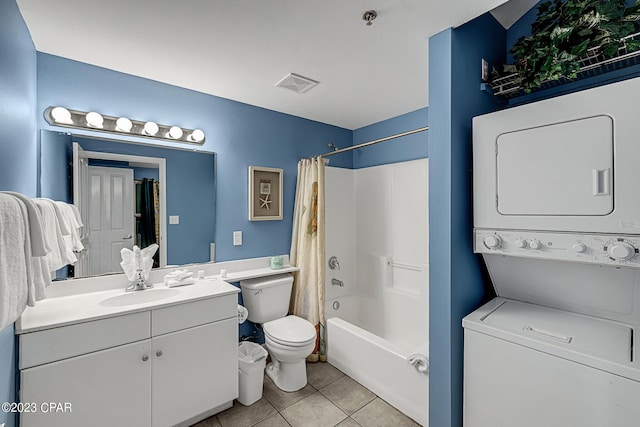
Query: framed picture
<point x="265" y="193"/>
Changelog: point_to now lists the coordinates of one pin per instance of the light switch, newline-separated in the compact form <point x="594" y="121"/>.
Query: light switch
<point x="237" y="238"/>
<point x="174" y="219"/>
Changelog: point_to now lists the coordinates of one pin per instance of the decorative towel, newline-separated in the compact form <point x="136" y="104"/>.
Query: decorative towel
<point x="419" y="359"/>
<point x="137" y="259"/>
<point x="13" y="263"/>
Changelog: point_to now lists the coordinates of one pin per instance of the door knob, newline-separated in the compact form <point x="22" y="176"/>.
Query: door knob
<point x="127" y="237"/>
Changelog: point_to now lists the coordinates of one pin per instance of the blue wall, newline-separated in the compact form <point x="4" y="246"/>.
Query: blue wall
<point x="409" y="147"/>
<point x="240" y="134"/>
<point x="18" y="148"/>
<point x="455" y="275"/>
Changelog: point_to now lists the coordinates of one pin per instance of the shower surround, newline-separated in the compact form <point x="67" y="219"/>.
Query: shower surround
<point x="377" y="227"/>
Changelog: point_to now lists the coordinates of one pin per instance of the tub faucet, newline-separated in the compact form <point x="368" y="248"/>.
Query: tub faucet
<point x="336" y="282"/>
<point x="140" y="284"/>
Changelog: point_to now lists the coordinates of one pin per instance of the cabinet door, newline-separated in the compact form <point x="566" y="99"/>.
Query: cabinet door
<point x="106" y="388"/>
<point x="194" y="371"/>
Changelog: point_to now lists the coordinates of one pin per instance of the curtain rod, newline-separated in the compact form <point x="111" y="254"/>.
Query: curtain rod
<point x="366" y="144"/>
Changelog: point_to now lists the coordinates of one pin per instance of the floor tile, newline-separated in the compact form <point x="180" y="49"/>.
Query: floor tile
<point x="282" y="399"/>
<point x="274" y="420"/>
<point x="347" y="394"/>
<point x="209" y="422"/>
<point x="380" y="413"/>
<point x="321" y="374"/>
<point x="244" y="416"/>
<point x="313" y="411"/>
<point x="348" y="422"/>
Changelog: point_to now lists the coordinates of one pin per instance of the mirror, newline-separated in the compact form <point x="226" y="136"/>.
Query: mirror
<point x="127" y="194"/>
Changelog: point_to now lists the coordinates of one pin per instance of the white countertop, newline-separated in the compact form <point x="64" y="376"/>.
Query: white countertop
<point x="67" y="310"/>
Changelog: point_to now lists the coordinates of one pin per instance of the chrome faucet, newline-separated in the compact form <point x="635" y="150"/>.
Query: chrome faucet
<point x="140" y="284"/>
<point x="336" y="282"/>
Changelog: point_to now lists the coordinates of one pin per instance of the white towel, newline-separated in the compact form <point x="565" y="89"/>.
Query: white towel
<point x="39" y="246"/>
<point x="13" y="263"/>
<point x="179" y="278"/>
<point x="172" y="283"/>
<point x="38" y="276"/>
<point x="76" y="213"/>
<point x="71" y="222"/>
<point x="137" y="259"/>
<point x="60" y="255"/>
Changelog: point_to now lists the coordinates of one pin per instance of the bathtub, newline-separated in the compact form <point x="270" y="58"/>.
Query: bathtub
<point x="380" y="365"/>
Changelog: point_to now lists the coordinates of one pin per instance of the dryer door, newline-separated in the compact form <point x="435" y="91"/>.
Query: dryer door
<point x="558" y="169"/>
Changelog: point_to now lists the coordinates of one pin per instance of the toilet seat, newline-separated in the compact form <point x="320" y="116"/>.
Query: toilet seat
<point x="290" y="331"/>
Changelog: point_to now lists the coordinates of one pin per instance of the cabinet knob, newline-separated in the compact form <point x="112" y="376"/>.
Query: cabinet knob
<point x="159" y="353"/>
<point x="145" y="358"/>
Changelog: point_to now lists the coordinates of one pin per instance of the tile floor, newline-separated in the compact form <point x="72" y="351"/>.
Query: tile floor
<point x="330" y="398"/>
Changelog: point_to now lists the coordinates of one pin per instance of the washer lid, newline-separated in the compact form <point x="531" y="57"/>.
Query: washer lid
<point x="292" y="329"/>
<point x="592" y="341"/>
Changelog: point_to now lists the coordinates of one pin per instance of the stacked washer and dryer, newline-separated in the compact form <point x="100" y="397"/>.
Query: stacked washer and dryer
<point x="557" y="221"/>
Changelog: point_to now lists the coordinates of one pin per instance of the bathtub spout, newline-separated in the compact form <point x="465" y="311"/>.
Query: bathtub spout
<point x="336" y="282"/>
<point x="420" y="362"/>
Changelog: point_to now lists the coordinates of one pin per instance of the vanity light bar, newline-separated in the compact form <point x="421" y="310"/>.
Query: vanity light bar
<point x="60" y="116"/>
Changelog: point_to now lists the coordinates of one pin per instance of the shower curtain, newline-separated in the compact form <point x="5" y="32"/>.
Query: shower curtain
<point x="147" y="222"/>
<point x="308" y="250"/>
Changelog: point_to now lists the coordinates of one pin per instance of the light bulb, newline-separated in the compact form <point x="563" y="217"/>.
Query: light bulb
<point x="61" y="115"/>
<point x="151" y="128"/>
<point x="123" y="125"/>
<point x="175" y="132"/>
<point x="197" y="135"/>
<point x="94" y="119"/>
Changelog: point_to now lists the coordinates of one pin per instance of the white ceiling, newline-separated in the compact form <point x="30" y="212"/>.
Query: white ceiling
<point x="239" y="49"/>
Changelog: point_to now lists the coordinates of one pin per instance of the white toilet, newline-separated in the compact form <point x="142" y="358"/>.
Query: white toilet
<point x="289" y="339"/>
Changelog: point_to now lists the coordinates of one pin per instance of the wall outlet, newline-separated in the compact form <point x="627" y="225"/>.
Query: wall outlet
<point x="174" y="219"/>
<point x="237" y="238"/>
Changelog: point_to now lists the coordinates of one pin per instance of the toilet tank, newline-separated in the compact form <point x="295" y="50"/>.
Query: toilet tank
<point x="267" y="298"/>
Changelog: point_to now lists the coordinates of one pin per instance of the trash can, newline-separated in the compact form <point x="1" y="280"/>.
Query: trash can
<point x="252" y="359"/>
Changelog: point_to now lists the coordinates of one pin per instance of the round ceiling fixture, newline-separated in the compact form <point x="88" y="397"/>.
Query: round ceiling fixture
<point x="369" y="16"/>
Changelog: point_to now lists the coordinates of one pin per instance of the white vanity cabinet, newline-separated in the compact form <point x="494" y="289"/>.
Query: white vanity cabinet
<point x="161" y="367"/>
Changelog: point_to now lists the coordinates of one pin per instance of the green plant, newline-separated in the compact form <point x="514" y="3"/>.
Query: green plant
<point x="564" y="31"/>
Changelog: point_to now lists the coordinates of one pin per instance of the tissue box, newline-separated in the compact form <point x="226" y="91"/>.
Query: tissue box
<point x="277" y="262"/>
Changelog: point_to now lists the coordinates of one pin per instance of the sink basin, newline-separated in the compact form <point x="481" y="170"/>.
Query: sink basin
<point x="139" y="297"/>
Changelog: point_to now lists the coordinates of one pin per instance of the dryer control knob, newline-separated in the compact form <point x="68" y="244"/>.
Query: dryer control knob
<point x="520" y="243"/>
<point x="493" y="242"/>
<point x="579" y="247"/>
<point x="621" y="251"/>
<point x="535" y="244"/>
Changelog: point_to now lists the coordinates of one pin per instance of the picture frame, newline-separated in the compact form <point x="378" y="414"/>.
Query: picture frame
<point x="265" y="193"/>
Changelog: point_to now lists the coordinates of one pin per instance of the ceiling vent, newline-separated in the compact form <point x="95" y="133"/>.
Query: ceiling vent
<point x="297" y="83"/>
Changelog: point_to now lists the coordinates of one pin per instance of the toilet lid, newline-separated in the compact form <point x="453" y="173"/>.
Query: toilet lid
<point x="291" y="329"/>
